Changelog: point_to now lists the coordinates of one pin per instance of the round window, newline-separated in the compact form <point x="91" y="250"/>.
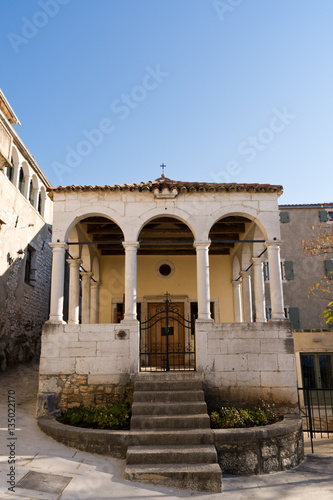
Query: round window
<point x="165" y="269"/>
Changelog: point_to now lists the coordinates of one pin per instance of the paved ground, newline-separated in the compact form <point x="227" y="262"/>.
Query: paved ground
<point x="92" y="477"/>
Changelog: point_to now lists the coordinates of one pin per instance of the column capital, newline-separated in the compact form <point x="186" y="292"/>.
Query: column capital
<point x="95" y="284"/>
<point x="58" y="245"/>
<point x="257" y="260"/>
<point x="131" y="244"/>
<point x="236" y="282"/>
<point x="244" y="274"/>
<point x="74" y="262"/>
<point x="86" y="275"/>
<point x="201" y="245"/>
<point x="272" y="243"/>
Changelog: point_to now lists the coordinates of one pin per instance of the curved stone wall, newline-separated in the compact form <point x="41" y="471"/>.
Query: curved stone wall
<point x="257" y="450"/>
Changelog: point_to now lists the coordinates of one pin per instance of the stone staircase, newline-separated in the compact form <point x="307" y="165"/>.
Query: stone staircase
<point x="171" y="443"/>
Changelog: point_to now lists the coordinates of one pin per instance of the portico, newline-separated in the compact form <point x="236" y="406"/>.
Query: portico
<point x="203" y="243"/>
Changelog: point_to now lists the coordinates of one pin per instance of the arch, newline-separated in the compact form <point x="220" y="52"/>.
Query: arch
<point x="176" y="214"/>
<point x="21" y="181"/>
<point x="238" y="210"/>
<point x="43" y="198"/>
<point x="15" y="156"/>
<point x="80" y="218"/>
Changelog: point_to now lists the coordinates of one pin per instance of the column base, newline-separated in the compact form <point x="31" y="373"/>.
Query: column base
<point x="55" y="321"/>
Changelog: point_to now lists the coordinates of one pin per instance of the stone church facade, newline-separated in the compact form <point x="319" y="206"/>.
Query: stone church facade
<point x="166" y="276"/>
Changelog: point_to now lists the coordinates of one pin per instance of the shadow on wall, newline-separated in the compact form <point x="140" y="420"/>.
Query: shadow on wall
<point x="24" y="299"/>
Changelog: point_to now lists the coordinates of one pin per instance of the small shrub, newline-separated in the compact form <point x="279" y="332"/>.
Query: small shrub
<point x="229" y="417"/>
<point x="114" y="416"/>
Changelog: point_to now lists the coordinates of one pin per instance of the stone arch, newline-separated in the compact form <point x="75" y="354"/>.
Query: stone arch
<point x="42" y="206"/>
<point x="82" y="217"/>
<point x="238" y="210"/>
<point x="173" y="212"/>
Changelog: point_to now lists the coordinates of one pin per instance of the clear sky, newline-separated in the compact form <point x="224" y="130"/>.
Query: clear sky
<point x="218" y="90"/>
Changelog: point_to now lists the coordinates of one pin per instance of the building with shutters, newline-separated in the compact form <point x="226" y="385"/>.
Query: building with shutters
<point x="159" y="278"/>
<point x="25" y="256"/>
<point x="312" y="336"/>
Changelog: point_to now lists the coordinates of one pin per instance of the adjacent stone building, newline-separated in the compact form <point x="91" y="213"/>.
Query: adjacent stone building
<point x="25" y="255"/>
<point x="159" y="279"/>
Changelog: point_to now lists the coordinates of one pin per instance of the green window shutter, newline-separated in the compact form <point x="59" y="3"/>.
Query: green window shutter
<point x="288" y="270"/>
<point x="294" y="317"/>
<point x="329" y="268"/>
<point x="322" y="215"/>
<point x="284" y="217"/>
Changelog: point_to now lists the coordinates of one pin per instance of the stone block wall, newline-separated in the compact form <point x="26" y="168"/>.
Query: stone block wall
<point x="246" y="362"/>
<point x="24" y="307"/>
<point x="84" y="364"/>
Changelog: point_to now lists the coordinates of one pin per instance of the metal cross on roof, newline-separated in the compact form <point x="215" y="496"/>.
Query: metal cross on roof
<point x="163" y="167"/>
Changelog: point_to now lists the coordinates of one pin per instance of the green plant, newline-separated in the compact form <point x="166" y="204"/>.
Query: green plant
<point x="113" y="416"/>
<point x="228" y="417"/>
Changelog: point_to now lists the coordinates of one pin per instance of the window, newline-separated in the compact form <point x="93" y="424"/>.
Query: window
<point x="326" y="215"/>
<point x="30" y="266"/>
<point x="291" y="313"/>
<point x="10" y="173"/>
<point x="328" y="268"/>
<point x="287" y="270"/>
<point x="31" y="194"/>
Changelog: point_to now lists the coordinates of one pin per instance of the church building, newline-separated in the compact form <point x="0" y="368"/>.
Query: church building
<point x="166" y="277"/>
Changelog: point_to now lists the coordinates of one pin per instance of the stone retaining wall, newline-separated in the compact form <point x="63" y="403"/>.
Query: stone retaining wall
<point x="258" y="450"/>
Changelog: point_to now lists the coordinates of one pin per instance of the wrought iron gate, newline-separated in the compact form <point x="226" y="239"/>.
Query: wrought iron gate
<point x="167" y="340"/>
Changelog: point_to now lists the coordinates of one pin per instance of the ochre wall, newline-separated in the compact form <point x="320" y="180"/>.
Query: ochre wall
<point x="183" y="281"/>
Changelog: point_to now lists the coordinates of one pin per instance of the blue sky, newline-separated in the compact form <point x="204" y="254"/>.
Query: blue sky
<point x="218" y="90"/>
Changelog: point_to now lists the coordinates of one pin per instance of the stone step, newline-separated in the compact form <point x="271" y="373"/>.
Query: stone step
<point x="168" y="396"/>
<point x="199" y="454"/>
<point x="206" y="477"/>
<point x="168" y="385"/>
<point x="180" y="408"/>
<point x="200" y="421"/>
<point x="175" y="437"/>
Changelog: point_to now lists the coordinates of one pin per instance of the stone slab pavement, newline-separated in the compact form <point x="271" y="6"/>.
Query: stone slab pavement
<point x="93" y="477"/>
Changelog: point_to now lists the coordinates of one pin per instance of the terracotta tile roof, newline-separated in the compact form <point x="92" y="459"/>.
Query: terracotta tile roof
<point x="181" y="186"/>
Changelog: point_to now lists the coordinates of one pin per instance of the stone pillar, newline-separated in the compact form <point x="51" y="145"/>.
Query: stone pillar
<point x="94" y="314"/>
<point x="237" y="294"/>
<point x="202" y="249"/>
<point x="275" y="280"/>
<point x="57" y="282"/>
<point x="130" y="279"/>
<point x="247" y="297"/>
<point x="259" y="289"/>
<point x="16" y="177"/>
<point x="74" y="290"/>
<point x="27" y="181"/>
<point x="36" y="197"/>
<point x="85" y="313"/>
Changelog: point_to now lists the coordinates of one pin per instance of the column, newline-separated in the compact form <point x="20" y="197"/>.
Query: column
<point x="259" y="289"/>
<point x="74" y="290"/>
<point x="57" y="282"/>
<point x="237" y="294"/>
<point x="85" y="313"/>
<point x="27" y="181"/>
<point x="130" y="279"/>
<point x="275" y="280"/>
<point x="16" y="175"/>
<point x="94" y="309"/>
<point x="247" y="296"/>
<point x="202" y="249"/>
